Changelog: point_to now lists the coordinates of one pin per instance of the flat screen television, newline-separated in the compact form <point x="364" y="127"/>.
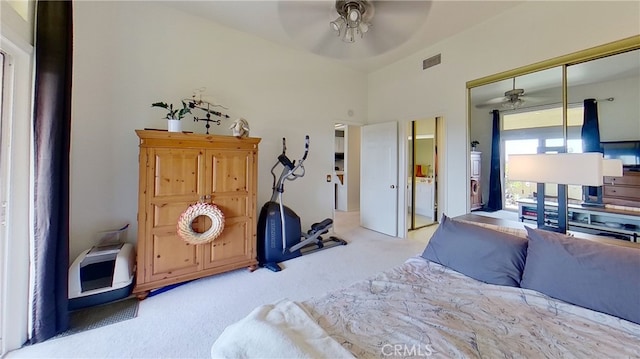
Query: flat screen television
<point x="626" y="151"/>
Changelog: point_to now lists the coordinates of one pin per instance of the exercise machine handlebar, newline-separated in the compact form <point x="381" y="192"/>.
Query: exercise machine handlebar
<point x="291" y="170"/>
<point x="291" y="165"/>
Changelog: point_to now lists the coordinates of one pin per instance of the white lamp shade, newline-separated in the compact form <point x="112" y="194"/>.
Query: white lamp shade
<point x="585" y="169"/>
<point x="612" y="167"/>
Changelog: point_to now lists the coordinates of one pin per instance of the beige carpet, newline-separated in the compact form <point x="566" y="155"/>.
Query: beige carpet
<point x="185" y="321"/>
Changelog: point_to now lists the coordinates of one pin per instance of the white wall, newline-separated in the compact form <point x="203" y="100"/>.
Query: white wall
<point x="130" y="54"/>
<point x="528" y="33"/>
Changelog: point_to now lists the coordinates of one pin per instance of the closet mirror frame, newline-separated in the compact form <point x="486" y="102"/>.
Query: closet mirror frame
<point x="563" y="62"/>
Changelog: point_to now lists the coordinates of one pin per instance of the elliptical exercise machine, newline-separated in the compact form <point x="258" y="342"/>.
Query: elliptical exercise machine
<point x="280" y="235"/>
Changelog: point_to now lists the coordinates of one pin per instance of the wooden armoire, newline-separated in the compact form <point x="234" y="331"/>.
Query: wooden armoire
<point x="180" y="169"/>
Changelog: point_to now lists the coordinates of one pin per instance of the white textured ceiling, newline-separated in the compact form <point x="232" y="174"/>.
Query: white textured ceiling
<point x="264" y="19"/>
<point x="272" y="20"/>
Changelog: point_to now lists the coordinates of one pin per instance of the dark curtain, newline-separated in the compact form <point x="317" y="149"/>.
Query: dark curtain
<point x="52" y="132"/>
<point x="591" y="133"/>
<point x="495" y="185"/>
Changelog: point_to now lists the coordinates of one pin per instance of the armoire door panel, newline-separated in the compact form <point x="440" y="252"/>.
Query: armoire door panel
<point x="177" y="172"/>
<point x="229" y="246"/>
<point x="172" y="256"/>
<point x="236" y="206"/>
<point x="167" y="214"/>
<point x="229" y="171"/>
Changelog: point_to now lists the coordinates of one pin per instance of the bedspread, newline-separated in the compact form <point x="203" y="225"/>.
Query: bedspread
<point x="422" y="309"/>
<point x="280" y="330"/>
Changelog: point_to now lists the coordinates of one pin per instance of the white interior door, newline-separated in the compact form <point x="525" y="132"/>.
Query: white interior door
<point x="379" y="177"/>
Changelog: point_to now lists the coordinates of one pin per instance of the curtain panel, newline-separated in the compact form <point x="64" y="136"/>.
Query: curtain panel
<point x="495" y="181"/>
<point x="591" y="133"/>
<point x="51" y="133"/>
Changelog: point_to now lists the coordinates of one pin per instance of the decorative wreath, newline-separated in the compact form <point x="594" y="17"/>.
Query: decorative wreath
<point x="186" y="232"/>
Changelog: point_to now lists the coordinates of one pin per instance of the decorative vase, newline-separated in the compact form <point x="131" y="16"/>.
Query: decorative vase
<point x="174" y="126"/>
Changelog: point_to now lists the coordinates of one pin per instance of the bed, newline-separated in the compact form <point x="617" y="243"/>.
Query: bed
<point x="475" y="292"/>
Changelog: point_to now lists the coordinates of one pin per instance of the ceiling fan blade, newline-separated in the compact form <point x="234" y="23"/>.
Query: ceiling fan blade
<point x="535" y="98"/>
<point x="496" y="100"/>
<point x="526" y="101"/>
<point x="305" y="16"/>
<point x="394" y="22"/>
<point x="413" y="9"/>
<point x="489" y="105"/>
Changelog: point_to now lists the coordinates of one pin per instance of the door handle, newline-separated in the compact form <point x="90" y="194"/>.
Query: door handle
<point x="392" y="186"/>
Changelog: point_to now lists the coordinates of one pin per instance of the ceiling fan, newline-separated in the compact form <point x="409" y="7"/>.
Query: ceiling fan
<point x="350" y="29"/>
<point x="512" y="99"/>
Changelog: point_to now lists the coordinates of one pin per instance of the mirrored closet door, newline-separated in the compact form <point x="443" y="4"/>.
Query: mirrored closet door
<point x="422" y="174"/>
<point x="582" y="102"/>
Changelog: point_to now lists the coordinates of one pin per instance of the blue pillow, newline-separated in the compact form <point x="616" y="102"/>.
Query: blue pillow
<point x="601" y="277"/>
<point x="484" y="254"/>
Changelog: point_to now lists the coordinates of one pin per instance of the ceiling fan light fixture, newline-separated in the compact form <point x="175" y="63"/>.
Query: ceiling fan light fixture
<point x="363" y="27"/>
<point x="350" y="34"/>
<point x="338" y="24"/>
<point x="512" y="97"/>
<point x="513" y="104"/>
<point x="354" y="17"/>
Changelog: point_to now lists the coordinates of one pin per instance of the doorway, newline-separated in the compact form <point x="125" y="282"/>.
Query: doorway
<point x="422" y="170"/>
<point x="346" y="171"/>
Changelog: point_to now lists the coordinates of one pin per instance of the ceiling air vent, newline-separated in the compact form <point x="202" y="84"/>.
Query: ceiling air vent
<point x="432" y="61"/>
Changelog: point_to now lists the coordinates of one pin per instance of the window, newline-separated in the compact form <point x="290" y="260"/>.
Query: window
<point x="549" y="117"/>
<point x="524" y="132"/>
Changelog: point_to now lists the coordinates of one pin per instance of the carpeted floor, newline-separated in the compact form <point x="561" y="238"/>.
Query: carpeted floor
<point x="185" y="321"/>
<point x="98" y="316"/>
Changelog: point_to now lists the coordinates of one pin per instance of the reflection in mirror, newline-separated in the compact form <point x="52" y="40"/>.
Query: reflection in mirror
<point x="528" y="112"/>
<point x="422" y="170"/>
<point x="608" y="89"/>
<point x="522" y="115"/>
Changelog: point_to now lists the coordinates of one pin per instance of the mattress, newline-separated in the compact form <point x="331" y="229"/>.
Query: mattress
<point x="421" y="309"/>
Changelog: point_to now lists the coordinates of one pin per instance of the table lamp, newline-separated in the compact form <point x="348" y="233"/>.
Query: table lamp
<point x="584" y="169"/>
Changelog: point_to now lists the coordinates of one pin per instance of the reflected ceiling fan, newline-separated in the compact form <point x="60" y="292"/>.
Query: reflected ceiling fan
<point x="350" y="29"/>
<point x="513" y="99"/>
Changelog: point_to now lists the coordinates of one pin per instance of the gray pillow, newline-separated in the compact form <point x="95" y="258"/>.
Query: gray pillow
<point x="601" y="277"/>
<point x="480" y="253"/>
